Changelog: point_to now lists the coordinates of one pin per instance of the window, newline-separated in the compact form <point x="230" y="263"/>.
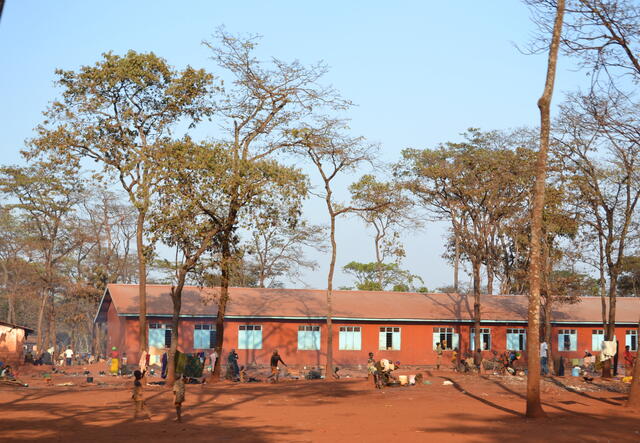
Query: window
<point x="446" y="337"/>
<point x="567" y="340"/>
<point x="631" y="339"/>
<point x="204" y="337"/>
<point x="350" y="338"/>
<point x="250" y="337"/>
<point x="516" y="339"/>
<point x="485" y="339"/>
<point x="308" y="338"/>
<point x="389" y="339"/>
<point x="159" y="335"/>
<point x="597" y="337"/>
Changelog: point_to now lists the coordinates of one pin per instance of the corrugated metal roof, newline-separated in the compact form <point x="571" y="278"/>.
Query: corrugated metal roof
<point x="357" y="305"/>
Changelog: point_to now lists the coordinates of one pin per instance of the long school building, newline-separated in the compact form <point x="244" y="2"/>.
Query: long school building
<point x="399" y="326"/>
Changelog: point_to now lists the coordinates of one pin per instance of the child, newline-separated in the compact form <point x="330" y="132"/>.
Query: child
<point x="243" y="374"/>
<point x="178" y="393"/>
<point x="137" y="396"/>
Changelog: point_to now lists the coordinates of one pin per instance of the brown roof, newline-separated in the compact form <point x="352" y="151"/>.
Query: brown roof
<point x="14" y="326"/>
<point x="360" y="305"/>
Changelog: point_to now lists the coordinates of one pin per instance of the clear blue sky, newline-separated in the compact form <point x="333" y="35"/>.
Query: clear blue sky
<point x="420" y="72"/>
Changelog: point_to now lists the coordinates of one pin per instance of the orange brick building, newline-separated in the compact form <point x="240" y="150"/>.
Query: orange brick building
<point x="400" y="326"/>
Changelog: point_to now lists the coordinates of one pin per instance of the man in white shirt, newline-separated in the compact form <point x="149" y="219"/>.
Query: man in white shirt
<point x="544" y="358"/>
<point x="68" y="355"/>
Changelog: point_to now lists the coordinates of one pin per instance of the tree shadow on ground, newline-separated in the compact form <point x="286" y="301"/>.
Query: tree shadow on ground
<point x="558" y="427"/>
<point x="581" y="393"/>
<point x="57" y="415"/>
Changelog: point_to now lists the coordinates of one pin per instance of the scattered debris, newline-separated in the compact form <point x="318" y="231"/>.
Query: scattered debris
<point x="447" y="383"/>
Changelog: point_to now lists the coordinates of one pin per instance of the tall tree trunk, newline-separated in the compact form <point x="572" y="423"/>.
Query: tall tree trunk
<point x="456" y="261"/>
<point x="40" y="342"/>
<point x="379" y="260"/>
<point x="332" y="265"/>
<point x="490" y="276"/>
<point x="611" y="327"/>
<point x="548" y="309"/>
<point x="225" y="274"/>
<point x="603" y="288"/>
<point x="53" y="334"/>
<point x="11" y="308"/>
<point x="176" y="298"/>
<point x="142" y="280"/>
<point x="477" y="355"/>
<point x="534" y="405"/>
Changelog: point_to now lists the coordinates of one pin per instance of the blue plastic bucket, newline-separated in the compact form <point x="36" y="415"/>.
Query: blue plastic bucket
<point x="575" y="371"/>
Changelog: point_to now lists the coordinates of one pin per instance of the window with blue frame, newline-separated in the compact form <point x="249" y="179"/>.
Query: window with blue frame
<point x="159" y="335"/>
<point x="204" y="336"/>
<point x="350" y="338"/>
<point x="567" y="340"/>
<point x="249" y="337"/>
<point x="308" y="338"/>
<point x="516" y="339"/>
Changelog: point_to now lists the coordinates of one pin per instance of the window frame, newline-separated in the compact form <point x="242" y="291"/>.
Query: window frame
<point x="393" y="335"/>
<point x="521" y="333"/>
<point x="250" y="339"/>
<point x="566" y="338"/>
<point x="350" y="334"/>
<point x="309" y="336"/>
<point x="631" y="339"/>
<point x="211" y="336"/>
<point x="600" y="334"/>
<point x="484" y="333"/>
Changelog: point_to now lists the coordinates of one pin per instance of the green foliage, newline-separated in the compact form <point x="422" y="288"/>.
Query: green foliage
<point x="393" y="276"/>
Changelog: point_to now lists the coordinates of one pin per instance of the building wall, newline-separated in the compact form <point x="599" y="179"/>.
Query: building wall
<point x="416" y="347"/>
<point x="11" y="345"/>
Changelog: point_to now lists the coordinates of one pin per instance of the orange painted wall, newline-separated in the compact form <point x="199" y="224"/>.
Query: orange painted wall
<point x="416" y="341"/>
<point x="11" y="345"/>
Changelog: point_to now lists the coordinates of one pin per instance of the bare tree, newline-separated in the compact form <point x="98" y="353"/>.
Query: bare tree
<point x="534" y="406"/>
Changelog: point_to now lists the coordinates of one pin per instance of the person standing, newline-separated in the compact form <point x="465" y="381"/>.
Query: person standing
<point x="68" y="355"/>
<point x="178" y="396"/>
<point x="115" y="362"/>
<point x="213" y="357"/>
<point x="275" y="371"/>
<point x="628" y="361"/>
<point x="232" y="360"/>
<point x="371" y="366"/>
<point x="544" y="358"/>
<point x="438" y="354"/>
<point x="138" y="396"/>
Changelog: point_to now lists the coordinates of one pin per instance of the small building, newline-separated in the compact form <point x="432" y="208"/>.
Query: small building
<point x="12" y="340"/>
<point x="396" y="325"/>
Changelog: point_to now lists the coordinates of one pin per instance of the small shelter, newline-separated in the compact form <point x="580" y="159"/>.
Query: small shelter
<point x="12" y="339"/>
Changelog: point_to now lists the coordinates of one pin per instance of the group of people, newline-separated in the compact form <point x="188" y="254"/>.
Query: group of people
<point x="381" y="371"/>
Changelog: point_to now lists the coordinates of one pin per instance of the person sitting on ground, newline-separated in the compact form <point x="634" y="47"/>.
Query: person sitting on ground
<point x="178" y="396"/>
<point x="275" y="371"/>
<point x="335" y="373"/>
<point x="6" y="373"/>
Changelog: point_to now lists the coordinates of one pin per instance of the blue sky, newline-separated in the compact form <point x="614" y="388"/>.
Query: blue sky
<point x="420" y="72"/>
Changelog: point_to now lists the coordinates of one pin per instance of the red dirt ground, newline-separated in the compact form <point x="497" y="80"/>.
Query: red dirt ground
<point x="474" y="409"/>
